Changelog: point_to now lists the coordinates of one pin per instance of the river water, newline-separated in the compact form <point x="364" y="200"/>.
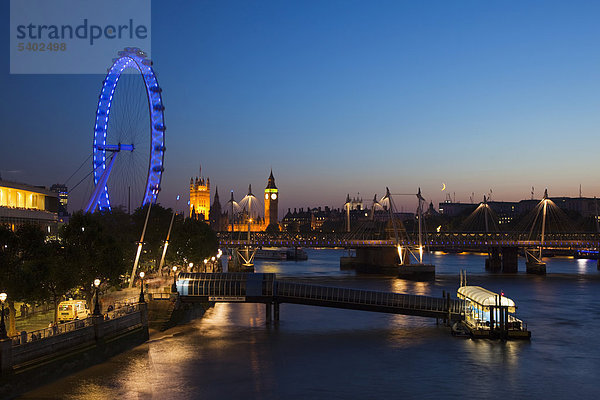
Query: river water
<point x="322" y="353"/>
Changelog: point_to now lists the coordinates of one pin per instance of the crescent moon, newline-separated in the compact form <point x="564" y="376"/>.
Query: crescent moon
<point x="443" y="186"/>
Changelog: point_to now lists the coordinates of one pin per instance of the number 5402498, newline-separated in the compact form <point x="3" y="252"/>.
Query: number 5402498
<point x="34" y="46"/>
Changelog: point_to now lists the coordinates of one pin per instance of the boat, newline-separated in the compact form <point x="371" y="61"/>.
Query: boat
<point x="281" y="254"/>
<point x="270" y="254"/>
<point x="590" y="254"/>
<point x="490" y="315"/>
<point x="296" y="254"/>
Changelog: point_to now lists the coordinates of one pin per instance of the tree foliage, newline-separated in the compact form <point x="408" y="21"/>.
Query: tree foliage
<point x="92" y="252"/>
<point x="191" y="242"/>
<point x="34" y="268"/>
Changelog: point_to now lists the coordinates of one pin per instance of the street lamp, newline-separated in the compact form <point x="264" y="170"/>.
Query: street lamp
<point x="174" y="287"/>
<point x="3" y="334"/>
<point x="96" y="304"/>
<point x="205" y="261"/>
<point x="141" y="300"/>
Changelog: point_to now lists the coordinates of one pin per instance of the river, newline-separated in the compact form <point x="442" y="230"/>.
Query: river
<point x="323" y="353"/>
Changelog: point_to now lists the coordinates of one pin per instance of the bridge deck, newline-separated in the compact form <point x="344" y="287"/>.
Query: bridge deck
<point x="264" y="288"/>
<point x="433" y="239"/>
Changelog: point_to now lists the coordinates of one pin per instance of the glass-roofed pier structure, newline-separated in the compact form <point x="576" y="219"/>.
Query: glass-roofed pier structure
<point x="490" y="315"/>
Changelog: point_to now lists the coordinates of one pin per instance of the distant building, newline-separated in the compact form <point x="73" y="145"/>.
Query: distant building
<point x="431" y="212"/>
<point x="355" y="203"/>
<point x="231" y="217"/>
<point x="451" y="209"/>
<point x="297" y="221"/>
<point x="216" y="217"/>
<point x="25" y="204"/>
<point x="271" y="202"/>
<point x="200" y="198"/>
<point x="63" y="197"/>
<point x="508" y="211"/>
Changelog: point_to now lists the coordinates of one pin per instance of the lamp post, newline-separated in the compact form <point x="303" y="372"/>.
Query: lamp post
<point x="174" y="287"/>
<point x="96" y="304"/>
<point x="205" y="261"/>
<point x="141" y="300"/>
<point x="3" y="334"/>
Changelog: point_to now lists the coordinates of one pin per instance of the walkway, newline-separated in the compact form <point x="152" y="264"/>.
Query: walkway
<point x="264" y="288"/>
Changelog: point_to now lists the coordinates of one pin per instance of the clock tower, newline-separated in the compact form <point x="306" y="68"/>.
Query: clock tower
<point x="271" y="202"/>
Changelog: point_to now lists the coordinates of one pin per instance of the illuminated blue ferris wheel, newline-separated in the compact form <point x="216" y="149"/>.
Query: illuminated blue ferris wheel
<point x="129" y="107"/>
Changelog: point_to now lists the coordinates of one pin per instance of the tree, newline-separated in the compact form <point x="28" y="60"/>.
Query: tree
<point x="121" y="227"/>
<point x="9" y="270"/>
<point x="24" y="262"/>
<point x="92" y="252"/>
<point x="56" y="275"/>
<point x="192" y="241"/>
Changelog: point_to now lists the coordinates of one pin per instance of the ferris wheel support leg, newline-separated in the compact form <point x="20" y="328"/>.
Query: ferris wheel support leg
<point x="100" y="186"/>
<point x="139" y="249"/>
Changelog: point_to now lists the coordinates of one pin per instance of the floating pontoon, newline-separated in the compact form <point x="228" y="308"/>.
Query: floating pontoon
<point x="490" y="315"/>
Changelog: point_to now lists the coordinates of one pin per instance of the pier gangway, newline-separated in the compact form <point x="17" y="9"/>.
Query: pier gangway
<point x="265" y="288"/>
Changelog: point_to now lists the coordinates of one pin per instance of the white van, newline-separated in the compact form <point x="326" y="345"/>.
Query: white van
<point x="72" y="309"/>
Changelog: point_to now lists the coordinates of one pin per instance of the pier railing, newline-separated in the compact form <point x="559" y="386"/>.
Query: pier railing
<point x="264" y="288"/>
<point x="366" y="297"/>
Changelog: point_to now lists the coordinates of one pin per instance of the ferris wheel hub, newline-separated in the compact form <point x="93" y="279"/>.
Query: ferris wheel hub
<point x="115" y="147"/>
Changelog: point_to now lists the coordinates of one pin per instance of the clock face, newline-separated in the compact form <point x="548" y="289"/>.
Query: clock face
<point x="274" y="196"/>
<point x="266" y="196"/>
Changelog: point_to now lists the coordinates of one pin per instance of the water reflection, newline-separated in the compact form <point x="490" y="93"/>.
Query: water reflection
<point x="582" y="265"/>
<point x="410" y="287"/>
<point x="324" y="353"/>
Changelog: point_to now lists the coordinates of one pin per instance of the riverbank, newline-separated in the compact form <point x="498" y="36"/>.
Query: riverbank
<point x="94" y="341"/>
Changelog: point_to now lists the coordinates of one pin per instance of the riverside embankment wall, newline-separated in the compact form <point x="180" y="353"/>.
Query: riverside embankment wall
<point x="33" y="363"/>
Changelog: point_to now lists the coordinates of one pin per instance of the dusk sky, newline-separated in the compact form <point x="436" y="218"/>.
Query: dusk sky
<point x="344" y="97"/>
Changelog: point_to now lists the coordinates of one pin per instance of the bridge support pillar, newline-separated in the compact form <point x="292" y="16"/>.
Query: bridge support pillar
<point x="510" y="259"/>
<point x="598" y="264"/>
<point x="493" y="263"/>
<point x="276" y="311"/>
<point x="268" y="313"/>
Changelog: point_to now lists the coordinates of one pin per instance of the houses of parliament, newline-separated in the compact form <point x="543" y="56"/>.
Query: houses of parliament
<point x="232" y="216"/>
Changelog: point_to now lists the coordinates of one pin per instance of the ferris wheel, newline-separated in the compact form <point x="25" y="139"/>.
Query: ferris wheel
<point x="129" y="135"/>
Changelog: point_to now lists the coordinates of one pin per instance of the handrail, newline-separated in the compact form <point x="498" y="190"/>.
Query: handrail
<point x="67" y="327"/>
<point x="160" y="295"/>
<point x="55" y="330"/>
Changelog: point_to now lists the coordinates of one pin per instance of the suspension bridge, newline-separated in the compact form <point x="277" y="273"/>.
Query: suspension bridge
<point x="545" y="231"/>
<point x="436" y="240"/>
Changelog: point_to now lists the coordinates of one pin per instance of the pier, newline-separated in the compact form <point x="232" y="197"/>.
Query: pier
<point x="265" y="288"/>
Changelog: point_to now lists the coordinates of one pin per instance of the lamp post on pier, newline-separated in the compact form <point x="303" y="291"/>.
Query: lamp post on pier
<point x="96" y="304"/>
<point x="3" y="334"/>
<point x="141" y="299"/>
<point x="174" y="286"/>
